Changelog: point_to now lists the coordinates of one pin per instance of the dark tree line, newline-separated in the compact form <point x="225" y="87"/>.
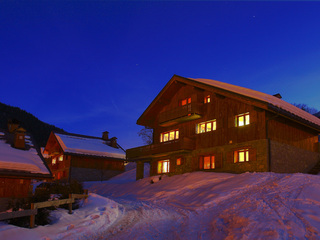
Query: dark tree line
<point x="39" y="130"/>
<point x="306" y="108"/>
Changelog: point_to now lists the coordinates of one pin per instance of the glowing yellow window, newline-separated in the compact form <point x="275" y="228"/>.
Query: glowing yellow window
<point x="178" y="161"/>
<point x="207" y="126"/>
<point x="202" y="127"/>
<point x="207" y="99"/>
<point x="163" y="166"/>
<point x="54" y="161"/>
<point x="61" y="158"/>
<point x="242" y="119"/>
<point x="166" y="137"/>
<point x="241" y="155"/>
<point x="169" y="136"/>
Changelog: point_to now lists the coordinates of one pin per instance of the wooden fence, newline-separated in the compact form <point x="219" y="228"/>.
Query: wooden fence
<point x="35" y="206"/>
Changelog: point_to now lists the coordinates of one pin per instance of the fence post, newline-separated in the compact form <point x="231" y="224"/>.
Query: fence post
<point x="32" y="217"/>
<point x="70" y="204"/>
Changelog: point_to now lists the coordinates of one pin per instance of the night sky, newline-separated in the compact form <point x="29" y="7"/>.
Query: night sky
<point x="92" y="66"/>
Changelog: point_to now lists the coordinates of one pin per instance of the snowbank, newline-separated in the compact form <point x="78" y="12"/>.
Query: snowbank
<point x="199" y="205"/>
<point x="96" y="215"/>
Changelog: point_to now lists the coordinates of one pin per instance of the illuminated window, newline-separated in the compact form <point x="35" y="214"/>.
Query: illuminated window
<point x="169" y="136"/>
<point x="242" y="119"/>
<point x="208" y="162"/>
<point x="241" y="155"/>
<point x="163" y="166"/>
<point x="54" y="161"/>
<point x="207" y="126"/>
<point x="207" y="99"/>
<point x="61" y="158"/>
<point x="185" y="101"/>
<point x="179" y="161"/>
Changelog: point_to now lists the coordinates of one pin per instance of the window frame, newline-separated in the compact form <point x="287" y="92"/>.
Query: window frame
<point x="163" y="168"/>
<point x="246" y="155"/>
<point x="213" y="124"/>
<point x="175" y="133"/>
<point x="207" y="99"/>
<point x="185" y="101"/>
<point x="210" y="165"/>
<point x="246" y="119"/>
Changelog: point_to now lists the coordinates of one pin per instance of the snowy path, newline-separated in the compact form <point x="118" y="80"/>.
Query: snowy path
<point x="199" y="205"/>
<point x="246" y="206"/>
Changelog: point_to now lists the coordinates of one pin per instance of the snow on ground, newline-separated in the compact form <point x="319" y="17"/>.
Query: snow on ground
<point x="199" y="205"/>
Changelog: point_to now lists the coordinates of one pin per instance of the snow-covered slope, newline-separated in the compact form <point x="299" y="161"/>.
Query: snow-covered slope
<point x="199" y="205"/>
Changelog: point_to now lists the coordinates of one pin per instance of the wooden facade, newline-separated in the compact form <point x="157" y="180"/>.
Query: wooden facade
<point x="82" y="165"/>
<point x="238" y="133"/>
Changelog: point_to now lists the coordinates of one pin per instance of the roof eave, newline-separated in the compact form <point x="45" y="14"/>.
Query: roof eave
<point x="294" y="117"/>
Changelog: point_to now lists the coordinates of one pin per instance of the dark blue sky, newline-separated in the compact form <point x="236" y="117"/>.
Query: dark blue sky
<point x="91" y="66"/>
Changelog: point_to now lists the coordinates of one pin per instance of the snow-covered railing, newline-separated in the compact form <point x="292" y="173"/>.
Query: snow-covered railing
<point x="35" y="206"/>
<point x="56" y="203"/>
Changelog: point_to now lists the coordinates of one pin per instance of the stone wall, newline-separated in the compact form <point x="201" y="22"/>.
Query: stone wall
<point x="288" y="159"/>
<point x="259" y="165"/>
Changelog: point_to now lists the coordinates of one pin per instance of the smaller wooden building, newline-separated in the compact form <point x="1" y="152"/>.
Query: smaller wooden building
<point x="20" y="163"/>
<point x="84" y="158"/>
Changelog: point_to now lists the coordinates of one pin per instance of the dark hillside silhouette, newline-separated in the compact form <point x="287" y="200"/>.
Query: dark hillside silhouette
<point x="39" y="130"/>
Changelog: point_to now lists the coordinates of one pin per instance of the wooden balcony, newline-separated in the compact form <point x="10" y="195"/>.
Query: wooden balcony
<point x="180" y="114"/>
<point x="165" y="148"/>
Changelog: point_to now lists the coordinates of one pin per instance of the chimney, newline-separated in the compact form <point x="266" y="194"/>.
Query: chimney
<point x="113" y="142"/>
<point x="278" y="95"/>
<point x="19" y="138"/>
<point x="105" y="135"/>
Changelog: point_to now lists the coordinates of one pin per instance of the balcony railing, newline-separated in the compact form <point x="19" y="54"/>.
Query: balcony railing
<point x="181" y="113"/>
<point x="185" y="144"/>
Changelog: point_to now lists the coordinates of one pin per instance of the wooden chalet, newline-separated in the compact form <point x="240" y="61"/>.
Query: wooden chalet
<point x="20" y="163"/>
<point x="84" y="158"/>
<point x="201" y="124"/>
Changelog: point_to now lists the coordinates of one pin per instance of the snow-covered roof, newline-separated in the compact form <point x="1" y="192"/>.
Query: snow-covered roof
<point x="20" y="160"/>
<point x="88" y="146"/>
<point x="272" y="100"/>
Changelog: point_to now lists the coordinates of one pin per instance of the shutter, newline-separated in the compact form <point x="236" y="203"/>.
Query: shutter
<point x="230" y="157"/>
<point x="201" y="162"/>
<point x="235" y="156"/>
<point x="252" y="154"/>
<point x="218" y="160"/>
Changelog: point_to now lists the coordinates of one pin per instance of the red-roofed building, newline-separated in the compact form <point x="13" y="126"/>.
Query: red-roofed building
<point x="202" y="124"/>
<point x="84" y="158"/>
